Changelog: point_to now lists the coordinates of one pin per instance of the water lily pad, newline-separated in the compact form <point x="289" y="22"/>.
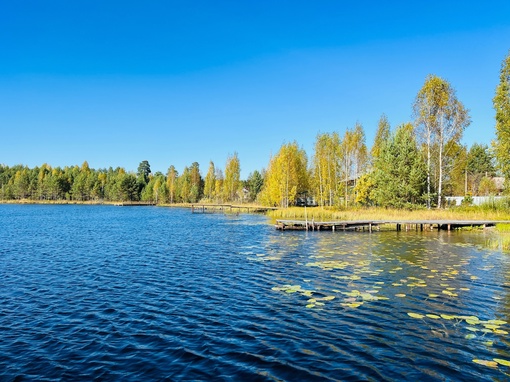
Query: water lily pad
<point x="497" y="322"/>
<point x="415" y="315"/>
<point x="310" y="306"/>
<point x="470" y="328"/>
<point x="485" y="362"/>
<point x="488" y="343"/>
<point x="503" y="362"/>
<point x="470" y="336"/>
<point x="400" y="295"/>
<point x="447" y="317"/>
<point x="354" y="293"/>
<point x="433" y="316"/>
<point x="352" y="304"/>
<point x="368" y="297"/>
<point x="433" y="295"/>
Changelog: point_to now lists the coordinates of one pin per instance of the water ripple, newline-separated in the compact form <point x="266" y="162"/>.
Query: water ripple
<point x="96" y="292"/>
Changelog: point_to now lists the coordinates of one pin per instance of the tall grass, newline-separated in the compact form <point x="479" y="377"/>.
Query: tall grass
<point x="373" y="213"/>
<point x="501" y="242"/>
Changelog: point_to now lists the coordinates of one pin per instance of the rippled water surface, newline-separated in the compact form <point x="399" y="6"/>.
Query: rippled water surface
<point x="145" y="293"/>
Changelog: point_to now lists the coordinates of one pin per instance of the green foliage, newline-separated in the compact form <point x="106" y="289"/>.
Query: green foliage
<point x="196" y="183"/>
<point x="468" y="200"/>
<point x="399" y="174"/>
<point x="144" y="170"/>
<point x="501" y="103"/>
<point x="128" y="188"/>
<point x="381" y="137"/>
<point x="156" y="190"/>
<point x="480" y="160"/>
<point x="254" y="183"/>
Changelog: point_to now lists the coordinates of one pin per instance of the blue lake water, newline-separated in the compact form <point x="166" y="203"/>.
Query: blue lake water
<point x="147" y="293"/>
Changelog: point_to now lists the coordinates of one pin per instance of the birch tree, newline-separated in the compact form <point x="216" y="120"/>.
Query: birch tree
<point x="440" y="119"/>
<point x="171" y="184"/>
<point x="232" y="182"/>
<point x="210" y="182"/>
<point x="286" y="176"/>
<point x="326" y="167"/>
<point x="354" y="157"/>
<point x="381" y="137"/>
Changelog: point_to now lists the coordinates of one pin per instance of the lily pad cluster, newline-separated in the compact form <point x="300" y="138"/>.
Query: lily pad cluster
<point x="311" y="302"/>
<point x="438" y="279"/>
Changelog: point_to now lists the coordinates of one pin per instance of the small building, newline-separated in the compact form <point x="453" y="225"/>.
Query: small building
<point x="308" y="202"/>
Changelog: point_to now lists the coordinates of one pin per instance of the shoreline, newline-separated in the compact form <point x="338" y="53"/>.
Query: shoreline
<point x="296" y="213"/>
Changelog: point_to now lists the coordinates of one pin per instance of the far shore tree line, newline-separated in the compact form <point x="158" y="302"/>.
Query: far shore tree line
<point x="416" y="164"/>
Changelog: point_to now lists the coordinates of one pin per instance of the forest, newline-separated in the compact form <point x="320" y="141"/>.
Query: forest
<point x="414" y="165"/>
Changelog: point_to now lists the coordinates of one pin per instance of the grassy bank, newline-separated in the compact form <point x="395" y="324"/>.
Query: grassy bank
<point x="324" y="214"/>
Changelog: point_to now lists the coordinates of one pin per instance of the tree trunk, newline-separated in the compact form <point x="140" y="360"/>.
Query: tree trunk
<point x="428" y="170"/>
<point x="440" y="185"/>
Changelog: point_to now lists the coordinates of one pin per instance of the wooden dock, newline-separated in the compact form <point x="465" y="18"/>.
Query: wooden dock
<point x="125" y="204"/>
<point x="371" y="225"/>
<point x="228" y="208"/>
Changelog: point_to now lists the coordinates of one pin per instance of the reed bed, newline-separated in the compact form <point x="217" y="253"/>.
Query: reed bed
<point x="324" y="214"/>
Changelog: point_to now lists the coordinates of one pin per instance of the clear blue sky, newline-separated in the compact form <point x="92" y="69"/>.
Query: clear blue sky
<point x="174" y="82"/>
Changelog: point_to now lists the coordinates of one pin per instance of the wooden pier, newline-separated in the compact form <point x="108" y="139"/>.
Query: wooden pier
<point x="228" y="208"/>
<point x="371" y="225"/>
<point x="130" y="204"/>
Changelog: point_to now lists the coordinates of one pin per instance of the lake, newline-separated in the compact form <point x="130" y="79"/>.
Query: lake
<point x="151" y="293"/>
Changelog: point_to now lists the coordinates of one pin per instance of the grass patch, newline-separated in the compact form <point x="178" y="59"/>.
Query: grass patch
<point x="503" y="227"/>
<point x="500" y="242"/>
